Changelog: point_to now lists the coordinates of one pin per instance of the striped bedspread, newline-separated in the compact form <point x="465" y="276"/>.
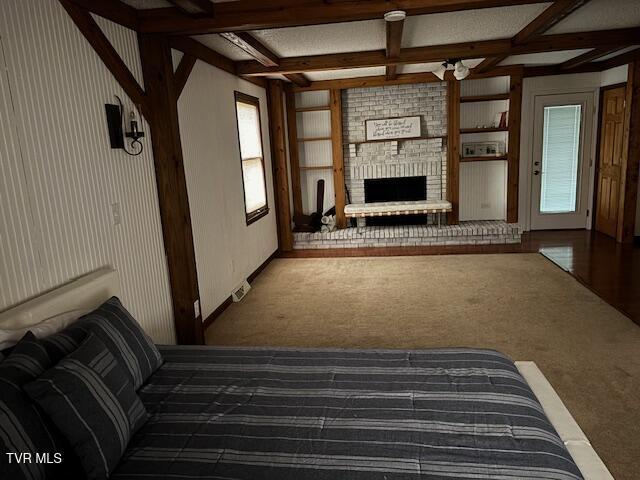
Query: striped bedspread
<point x="255" y="413"/>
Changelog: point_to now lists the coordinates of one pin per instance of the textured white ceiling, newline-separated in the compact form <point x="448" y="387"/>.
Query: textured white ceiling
<point x="225" y="47"/>
<point x="430" y="67"/>
<point x="424" y="30"/>
<point x="601" y="15"/>
<point x="345" y="73"/>
<point x="548" y="58"/>
<point x="468" y="26"/>
<point x="319" y="39"/>
<point x="615" y="54"/>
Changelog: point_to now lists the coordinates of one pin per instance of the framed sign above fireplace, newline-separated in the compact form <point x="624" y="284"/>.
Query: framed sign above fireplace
<point x="393" y="128"/>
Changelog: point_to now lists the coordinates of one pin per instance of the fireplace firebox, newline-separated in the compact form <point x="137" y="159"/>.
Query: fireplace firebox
<point x="397" y="189"/>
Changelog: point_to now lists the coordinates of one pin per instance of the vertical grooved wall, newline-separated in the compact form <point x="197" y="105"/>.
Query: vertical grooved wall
<point x="58" y="175"/>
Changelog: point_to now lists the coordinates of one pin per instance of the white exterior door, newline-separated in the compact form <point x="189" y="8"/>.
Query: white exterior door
<point x="561" y="157"/>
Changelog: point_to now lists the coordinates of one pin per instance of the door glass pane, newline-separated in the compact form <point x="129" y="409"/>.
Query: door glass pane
<point x="560" y="158"/>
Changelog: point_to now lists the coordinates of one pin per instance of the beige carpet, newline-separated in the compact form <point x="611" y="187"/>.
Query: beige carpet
<point x="521" y="304"/>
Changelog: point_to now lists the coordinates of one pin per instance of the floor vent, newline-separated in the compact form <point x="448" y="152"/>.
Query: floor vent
<point x="239" y="293"/>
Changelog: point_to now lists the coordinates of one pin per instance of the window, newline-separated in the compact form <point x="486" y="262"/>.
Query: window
<point x="250" y="137"/>
<point x="560" y="158"/>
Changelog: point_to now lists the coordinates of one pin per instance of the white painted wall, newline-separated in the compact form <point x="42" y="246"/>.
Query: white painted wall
<point x="584" y="82"/>
<point x="58" y="175"/>
<point x="614" y="76"/>
<point x="227" y="250"/>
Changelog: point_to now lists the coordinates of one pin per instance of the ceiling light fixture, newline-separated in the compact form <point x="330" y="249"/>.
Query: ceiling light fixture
<point x="440" y="71"/>
<point x="460" y="70"/>
<point x="395" y="16"/>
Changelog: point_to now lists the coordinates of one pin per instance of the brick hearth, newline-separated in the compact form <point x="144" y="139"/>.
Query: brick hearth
<point x="466" y="233"/>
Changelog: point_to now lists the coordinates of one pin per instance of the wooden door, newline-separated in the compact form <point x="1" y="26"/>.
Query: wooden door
<point x="610" y="160"/>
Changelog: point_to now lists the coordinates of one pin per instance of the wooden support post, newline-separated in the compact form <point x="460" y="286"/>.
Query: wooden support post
<point x="453" y="150"/>
<point x="275" y="89"/>
<point x="294" y="157"/>
<point x="513" y="156"/>
<point x="335" y="103"/>
<point x="183" y="71"/>
<point x="157" y="69"/>
<point x="630" y="157"/>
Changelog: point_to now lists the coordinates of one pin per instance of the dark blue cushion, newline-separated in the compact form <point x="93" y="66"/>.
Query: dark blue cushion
<point x="23" y="429"/>
<point x="89" y="397"/>
<point x="121" y="334"/>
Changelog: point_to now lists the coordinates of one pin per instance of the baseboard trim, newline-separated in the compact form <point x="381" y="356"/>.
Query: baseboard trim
<point x="262" y="266"/>
<point x="217" y="312"/>
<point x="228" y="301"/>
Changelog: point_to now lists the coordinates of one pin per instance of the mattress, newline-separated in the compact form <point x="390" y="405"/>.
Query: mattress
<point x="259" y="413"/>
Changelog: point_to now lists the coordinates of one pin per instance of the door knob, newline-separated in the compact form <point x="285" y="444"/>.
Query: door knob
<point x="536" y="172"/>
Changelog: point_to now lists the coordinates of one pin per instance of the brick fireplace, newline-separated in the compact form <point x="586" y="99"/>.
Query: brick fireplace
<point x="395" y="159"/>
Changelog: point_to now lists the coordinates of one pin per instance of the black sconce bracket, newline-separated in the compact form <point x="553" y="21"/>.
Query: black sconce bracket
<point x="115" y="123"/>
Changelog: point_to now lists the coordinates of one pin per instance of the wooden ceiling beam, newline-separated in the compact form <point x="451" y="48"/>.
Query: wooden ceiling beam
<point x="401" y="79"/>
<point x="394" y="43"/>
<point x="298" y="79"/>
<point x="102" y="46"/>
<point x="113" y="10"/>
<point x="192" y="47"/>
<point x="194" y="7"/>
<point x="546" y="70"/>
<point x="245" y="15"/>
<point x="262" y="54"/>
<point x="543" y="22"/>
<point x="622" y="59"/>
<point x="559" y="10"/>
<point x="489" y="63"/>
<point x="587" y="67"/>
<point x="183" y="71"/>
<point x="198" y="50"/>
<point x="587" y="57"/>
<point x="437" y="53"/>
<point x="253" y="47"/>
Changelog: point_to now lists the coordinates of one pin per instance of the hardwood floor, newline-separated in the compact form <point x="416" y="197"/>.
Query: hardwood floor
<point x="609" y="269"/>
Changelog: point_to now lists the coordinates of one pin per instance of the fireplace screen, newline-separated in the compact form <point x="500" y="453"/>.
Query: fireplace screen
<point x="396" y="190"/>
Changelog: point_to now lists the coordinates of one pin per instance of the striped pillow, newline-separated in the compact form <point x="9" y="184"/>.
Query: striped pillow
<point x="90" y="399"/>
<point x="120" y="332"/>
<point x="22" y="428"/>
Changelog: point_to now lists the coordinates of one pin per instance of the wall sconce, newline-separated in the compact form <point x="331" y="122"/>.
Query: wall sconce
<point x="117" y="132"/>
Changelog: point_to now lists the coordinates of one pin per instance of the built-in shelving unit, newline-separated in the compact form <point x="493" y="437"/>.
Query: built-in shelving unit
<point x="313" y="109"/>
<point x="488" y="185"/>
<point x="483" y="158"/>
<point x="484" y="130"/>
<point x="314" y="139"/>
<point x="484" y="98"/>
<point x="311" y="138"/>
